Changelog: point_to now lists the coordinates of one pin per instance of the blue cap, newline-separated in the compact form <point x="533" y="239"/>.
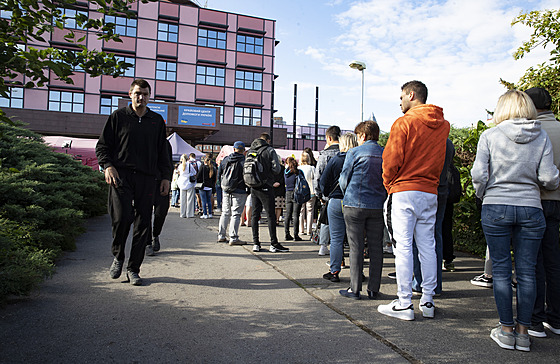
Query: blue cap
<point x="239" y="145"/>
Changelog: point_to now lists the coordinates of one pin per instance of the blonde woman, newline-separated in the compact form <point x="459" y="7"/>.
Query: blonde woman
<point x="207" y="174"/>
<point x="186" y="182"/>
<point x="307" y="208"/>
<point x="514" y="160"/>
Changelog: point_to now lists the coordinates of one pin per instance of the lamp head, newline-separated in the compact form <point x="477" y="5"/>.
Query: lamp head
<point x="360" y="66"/>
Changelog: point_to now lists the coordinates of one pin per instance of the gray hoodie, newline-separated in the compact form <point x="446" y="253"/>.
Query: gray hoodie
<point x="513" y="160"/>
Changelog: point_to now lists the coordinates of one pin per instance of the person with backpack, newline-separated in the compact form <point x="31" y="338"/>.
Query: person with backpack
<point x="230" y="178"/>
<point x="292" y="207"/>
<point x="261" y="165"/>
<point x="207" y="176"/>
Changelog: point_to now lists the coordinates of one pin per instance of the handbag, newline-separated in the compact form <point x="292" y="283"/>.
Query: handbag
<point x="315" y="234"/>
<point x="323" y="216"/>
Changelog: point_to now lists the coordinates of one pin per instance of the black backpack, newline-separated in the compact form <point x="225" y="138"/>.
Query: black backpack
<point x="302" y="192"/>
<point x="253" y="169"/>
<point x="232" y="176"/>
<point x="454" y="184"/>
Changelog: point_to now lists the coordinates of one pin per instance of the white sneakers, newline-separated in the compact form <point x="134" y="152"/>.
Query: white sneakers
<point x="323" y="250"/>
<point x="428" y="309"/>
<point x="394" y="309"/>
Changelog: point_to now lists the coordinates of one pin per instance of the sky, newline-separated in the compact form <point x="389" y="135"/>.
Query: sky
<point x="459" y="49"/>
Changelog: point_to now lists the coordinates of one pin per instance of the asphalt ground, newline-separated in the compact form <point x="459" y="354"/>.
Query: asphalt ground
<point x="208" y="302"/>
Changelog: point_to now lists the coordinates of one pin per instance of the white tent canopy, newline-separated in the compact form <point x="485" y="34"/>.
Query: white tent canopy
<point x="180" y="147"/>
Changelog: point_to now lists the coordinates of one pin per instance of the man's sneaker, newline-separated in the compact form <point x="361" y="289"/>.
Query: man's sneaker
<point x="387" y="249"/>
<point x="323" y="250"/>
<point x="204" y="217"/>
<point x="349" y="294"/>
<point x="277" y="247"/>
<point x="288" y="237"/>
<point x="298" y="238"/>
<point x="116" y="268"/>
<point x="482" y="281"/>
<point x="392" y="275"/>
<point x="236" y="242"/>
<point x="393" y="309"/>
<point x="555" y="330"/>
<point x="133" y="278"/>
<point x="209" y="216"/>
<point x="537" y="330"/>
<point x="150" y="250"/>
<point x="333" y="277"/>
<point x="450" y="267"/>
<point x="256" y="248"/>
<point x="522" y="342"/>
<point x="506" y="340"/>
<point x="222" y="240"/>
<point x="155" y="243"/>
<point x="428" y="309"/>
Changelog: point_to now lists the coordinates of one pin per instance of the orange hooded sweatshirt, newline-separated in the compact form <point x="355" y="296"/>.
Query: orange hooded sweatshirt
<point x="415" y="152"/>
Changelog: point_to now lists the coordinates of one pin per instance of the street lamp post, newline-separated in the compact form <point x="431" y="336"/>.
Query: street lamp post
<point x="360" y="66"/>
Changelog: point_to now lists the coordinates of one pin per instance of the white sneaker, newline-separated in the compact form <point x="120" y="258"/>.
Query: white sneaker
<point x="256" y="248"/>
<point x="323" y="250"/>
<point x="393" y="309"/>
<point x="387" y="249"/>
<point x="552" y="328"/>
<point x="428" y="309"/>
<point x="210" y="216"/>
<point x="204" y="217"/>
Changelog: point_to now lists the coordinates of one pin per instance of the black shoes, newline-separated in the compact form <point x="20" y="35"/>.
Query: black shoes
<point x="333" y="277"/>
<point x="133" y="278"/>
<point x="116" y="268"/>
<point x="289" y="237"/>
<point x="372" y="295"/>
<point x="155" y="243"/>
<point x="277" y="247"/>
<point x="297" y="238"/>
<point x="349" y="294"/>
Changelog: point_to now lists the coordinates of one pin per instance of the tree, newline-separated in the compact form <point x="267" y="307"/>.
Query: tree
<point x="23" y="22"/>
<point x="546" y="33"/>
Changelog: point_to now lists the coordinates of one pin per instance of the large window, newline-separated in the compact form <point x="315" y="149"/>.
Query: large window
<point x="70" y="18"/>
<point x="130" y="71"/>
<point x="15" y="100"/>
<point x="248" y="44"/>
<point x="66" y="101"/>
<point x="248" y="80"/>
<point x="247" y="116"/>
<point x="168" y="32"/>
<point x="123" y="26"/>
<point x="109" y="104"/>
<point x="6" y="14"/>
<point x="221" y="107"/>
<point x="166" y="71"/>
<point x="210" y="76"/>
<point x="212" y="38"/>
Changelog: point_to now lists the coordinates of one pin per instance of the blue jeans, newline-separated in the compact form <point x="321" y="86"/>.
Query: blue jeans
<point x="523" y="227"/>
<point x="206" y="198"/>
<point x="337" y="230"/>
<point x="175" y="197"/>
<point x="417" y="280"/>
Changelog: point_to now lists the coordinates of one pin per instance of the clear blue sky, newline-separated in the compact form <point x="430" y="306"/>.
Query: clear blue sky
<point x="460" y="49"/>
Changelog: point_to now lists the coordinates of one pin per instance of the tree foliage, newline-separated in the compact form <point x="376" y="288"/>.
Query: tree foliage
<point x="31" y="21"/>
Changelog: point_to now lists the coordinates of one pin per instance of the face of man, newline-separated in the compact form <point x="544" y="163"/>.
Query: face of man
<point x="405" y="101"/>
<point x="139" y="97"/>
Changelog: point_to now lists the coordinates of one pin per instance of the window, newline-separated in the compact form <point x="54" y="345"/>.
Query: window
<point x="166" y="71"/>
<point x="247" y="116"/>
<point x="66" y="101"/>
<point x="248" y="44"/>
<point x="70" y="18"/>
<point x="212" y="39"/>
<point x="130" y="71"/>
<point x="210" y="75"/>
<point x="15" y="100"/>
<point x="6" y="14"/>
<point x="221" y="107"/>
<point x="248" y="80"/>
<point x="168" y="32"/>
<point x="123" y="26"/>
<point x="109" y="104"/>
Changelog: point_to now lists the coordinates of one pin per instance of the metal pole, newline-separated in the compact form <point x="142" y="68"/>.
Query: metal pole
<point x="272" y="115"/>
<point x="362" y="119"/>
<point x="316" y="118"/>
<point x="295" y="112"/>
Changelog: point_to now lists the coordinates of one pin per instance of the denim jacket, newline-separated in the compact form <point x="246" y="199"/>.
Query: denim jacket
<point x="361" y="177"/>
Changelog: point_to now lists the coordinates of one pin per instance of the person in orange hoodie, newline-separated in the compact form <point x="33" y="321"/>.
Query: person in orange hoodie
<point x="412" y="163"/>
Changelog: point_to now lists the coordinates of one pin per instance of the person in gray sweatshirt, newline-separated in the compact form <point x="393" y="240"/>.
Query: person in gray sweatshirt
<point x="513" y="161"/>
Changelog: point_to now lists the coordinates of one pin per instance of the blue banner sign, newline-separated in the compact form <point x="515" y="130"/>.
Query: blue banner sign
<point x="197" y="116"/>
<point x="160" y="109"/>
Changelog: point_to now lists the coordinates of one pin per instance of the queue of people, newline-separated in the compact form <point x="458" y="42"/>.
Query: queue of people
<point x="365" y="191"/>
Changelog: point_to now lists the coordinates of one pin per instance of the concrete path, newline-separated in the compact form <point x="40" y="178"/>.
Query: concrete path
<point x="204" y="302"/>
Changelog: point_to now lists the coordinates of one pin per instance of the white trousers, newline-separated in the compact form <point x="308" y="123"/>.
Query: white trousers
<point x="412" y="215"/>
<point x="187" y="203"/>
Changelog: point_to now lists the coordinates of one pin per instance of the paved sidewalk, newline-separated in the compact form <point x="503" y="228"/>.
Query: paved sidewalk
<point x="204" y="302"/>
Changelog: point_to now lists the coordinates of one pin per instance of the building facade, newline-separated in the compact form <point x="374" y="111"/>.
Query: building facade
<point x="194" y="58"/>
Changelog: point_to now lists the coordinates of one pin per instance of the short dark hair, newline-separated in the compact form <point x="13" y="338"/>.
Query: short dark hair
<point x="419" y="89"/>
<point x="369" y="128"/>
<point x="142" y="83"/>
<point x="265" y="136"/>
<point x="192" y="155"/>
<point x="333" y="132"/>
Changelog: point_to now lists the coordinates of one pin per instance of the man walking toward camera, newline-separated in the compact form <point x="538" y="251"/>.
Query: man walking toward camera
<point x="412" y="163"/>
<point x="133" y="151"/>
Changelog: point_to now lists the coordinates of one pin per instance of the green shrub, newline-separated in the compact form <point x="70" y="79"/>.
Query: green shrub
<point x="44" y="199"/>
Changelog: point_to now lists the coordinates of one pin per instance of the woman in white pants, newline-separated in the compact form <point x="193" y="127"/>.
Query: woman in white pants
<point x="186" y="171"/>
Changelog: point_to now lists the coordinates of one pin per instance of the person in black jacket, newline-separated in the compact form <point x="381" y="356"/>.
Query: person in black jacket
<point x="293" y="208"/>
<point x="207" y="174"/>
<point x="230" y="178"/>
<point x="132" y="150"/>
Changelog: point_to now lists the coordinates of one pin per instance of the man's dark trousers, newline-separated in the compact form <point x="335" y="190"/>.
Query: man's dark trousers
<point x="131" y="202"/>
<point x="161" y="207"/>
<point x="263" y="198"/>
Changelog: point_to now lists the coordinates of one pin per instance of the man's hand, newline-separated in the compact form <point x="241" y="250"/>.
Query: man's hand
<point x="276" y="184"/>
<point x="164" y="187"/>
<point x="112" y="176"/>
